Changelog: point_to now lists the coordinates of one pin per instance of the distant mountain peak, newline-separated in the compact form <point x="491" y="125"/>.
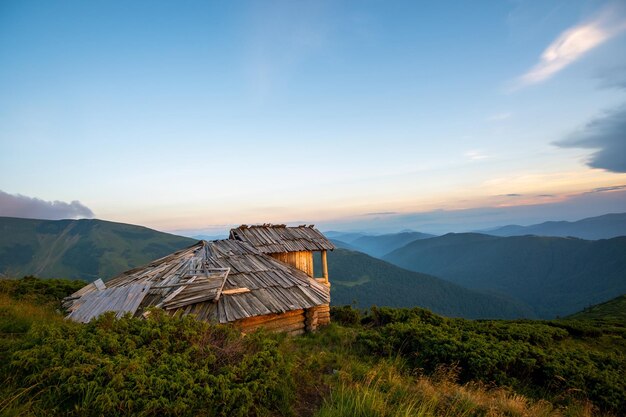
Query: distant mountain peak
<point x="605" y="226"/>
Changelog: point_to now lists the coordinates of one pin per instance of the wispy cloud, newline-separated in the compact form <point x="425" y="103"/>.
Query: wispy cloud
<point x="17" y="205"/>
<point x="381" y="213"/>
<point x="607" y="189"/>
<point x="611" y="199"/>
<point x="574" y="43"/>
<point x="282" y="35"/>
<point x="499" y="117"/>
<point x="476" y="155"/>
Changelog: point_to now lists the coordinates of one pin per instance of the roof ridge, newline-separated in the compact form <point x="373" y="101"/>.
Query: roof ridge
<point x="273" y="225"/>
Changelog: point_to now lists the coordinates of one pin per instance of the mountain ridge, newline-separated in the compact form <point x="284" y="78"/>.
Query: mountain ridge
<point x="79" y="249"/>
<point x="556" y="276"/>
<point x="369" y="281"/>
<point x="606" y="226"/>
<point x="380" y="245"/>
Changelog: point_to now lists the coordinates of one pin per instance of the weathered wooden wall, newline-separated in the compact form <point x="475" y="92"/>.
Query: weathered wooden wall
<point x="291" y="322"/>
<point x="296" y="321"/>
<point x="302" y="260"/>
<point x="316" y="317"/>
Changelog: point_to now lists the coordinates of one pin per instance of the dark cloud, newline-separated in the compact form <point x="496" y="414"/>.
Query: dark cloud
<point x="547" y="195"/>
<point x="606" y="133"/>
<point x="512" y="195"/>
<point x="17" y="205"/>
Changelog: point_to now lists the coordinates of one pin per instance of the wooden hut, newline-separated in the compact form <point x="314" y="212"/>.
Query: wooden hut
<point x="294" y="246"/>
<point x="224" y="281"/>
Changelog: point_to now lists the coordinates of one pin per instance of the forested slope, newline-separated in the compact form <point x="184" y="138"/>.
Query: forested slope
<point x="555" y="276"/>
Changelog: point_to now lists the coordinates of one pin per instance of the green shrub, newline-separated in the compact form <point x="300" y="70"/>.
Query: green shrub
<point x="40" y="291"/>
<point x="345" y="315"/>
<point x="381" y="316"/>
<point x="528" y="356"/>
<point x="579" y="328"/>
<point x="165" y="366"/>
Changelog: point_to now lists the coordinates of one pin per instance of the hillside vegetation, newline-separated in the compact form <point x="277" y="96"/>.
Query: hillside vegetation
<point x="388" y="362"/>
<point x="555" y="276"/>
<point x="365" y="281"/>
<point x="79" y="249"/>
<point x="612" y="311"/>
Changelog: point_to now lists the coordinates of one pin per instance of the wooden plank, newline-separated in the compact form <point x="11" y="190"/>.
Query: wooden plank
<point x="219" y="292"/>
<point x="281" y="326"/>
<point x="324" y="266"/>
<point x="175" y="292"/>
<point x="271" y="317"/>
<point x="186" y="283"/>
<point x="99" y="284"/>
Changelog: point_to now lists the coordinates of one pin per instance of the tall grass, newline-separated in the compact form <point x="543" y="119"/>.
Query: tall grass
<point x="16" y="317"/>
<point x="16" y="320"/>
<point x="388" y="391"/>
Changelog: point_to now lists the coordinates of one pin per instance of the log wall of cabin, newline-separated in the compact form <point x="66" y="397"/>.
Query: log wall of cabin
<point x="290" y="322"/>
<point x="302" y="260"/>
<point x="293" y="322"/>
<point x="313" y="317"/>
<point x="316" y="317"/>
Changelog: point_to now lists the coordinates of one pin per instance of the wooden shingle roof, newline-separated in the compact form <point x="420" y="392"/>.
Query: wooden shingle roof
<point x="222" y="281"/>
<point x="270" y="238"/>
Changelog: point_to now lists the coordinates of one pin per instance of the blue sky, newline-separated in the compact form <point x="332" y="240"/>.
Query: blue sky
<point x="192" y="116"/>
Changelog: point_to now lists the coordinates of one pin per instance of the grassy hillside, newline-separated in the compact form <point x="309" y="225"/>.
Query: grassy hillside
<point x="357" y="277"/>
<point x="611" y="311"/>
<point x="389" y="362"/>
<point x="380" y="245"/>
<point x="555" y="276"/>
<point x="79" y="249"/>
<point x="600" y="227"/>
